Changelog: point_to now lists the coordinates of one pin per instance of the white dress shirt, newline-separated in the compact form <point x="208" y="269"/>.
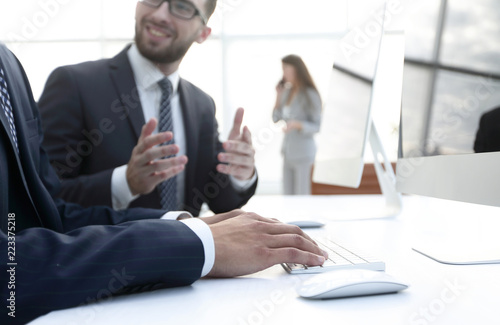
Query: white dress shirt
<point x="202" y="230"/>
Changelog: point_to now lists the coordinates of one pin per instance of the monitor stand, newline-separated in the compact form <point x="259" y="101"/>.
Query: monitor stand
<point x="385" y="175"/>
<point x="391" y="205"/>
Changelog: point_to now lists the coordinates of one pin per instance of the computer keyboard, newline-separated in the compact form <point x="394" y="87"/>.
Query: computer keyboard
<point x="339" y="257"/>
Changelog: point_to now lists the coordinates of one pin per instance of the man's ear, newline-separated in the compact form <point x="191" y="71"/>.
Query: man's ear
<point x="204" y="33"/>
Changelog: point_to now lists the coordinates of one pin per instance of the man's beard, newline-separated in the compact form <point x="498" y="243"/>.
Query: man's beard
<point x="157" y="54"/>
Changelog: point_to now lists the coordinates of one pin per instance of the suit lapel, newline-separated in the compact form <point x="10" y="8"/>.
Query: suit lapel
<point x="18" y="110"/>
<point x="5" y="125"/>
<point x="16" y="105"/>
<point x="3" y="116"/>
<point x="190" y="129"/>
<point x="122" y="77"/>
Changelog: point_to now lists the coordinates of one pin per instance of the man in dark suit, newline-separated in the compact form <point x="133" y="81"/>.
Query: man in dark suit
<point x="57" y="255"/>
<point x="92" y="114"/>
<point x="488" y="133"/>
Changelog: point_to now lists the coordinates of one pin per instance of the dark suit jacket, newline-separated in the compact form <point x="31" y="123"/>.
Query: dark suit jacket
<point x="67" y="255"/>
<point x="488" y="134"/>
<point x="92" y="119"/>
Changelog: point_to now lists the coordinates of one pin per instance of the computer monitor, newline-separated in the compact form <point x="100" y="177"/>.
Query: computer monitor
<point x="473" y="178"/>
<point x="359" y="86"/>
<point x="469" y="182"/>
<point x="439" y="121"/>
<point x="469" y="179"/>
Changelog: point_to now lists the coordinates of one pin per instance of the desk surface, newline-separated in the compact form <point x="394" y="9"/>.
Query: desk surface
<point x="438" y="293"/>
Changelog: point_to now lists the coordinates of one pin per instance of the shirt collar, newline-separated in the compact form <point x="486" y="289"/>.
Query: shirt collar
<point x="146" y="74"/>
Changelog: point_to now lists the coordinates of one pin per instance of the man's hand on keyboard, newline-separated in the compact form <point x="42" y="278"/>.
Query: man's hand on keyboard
<point x="222" y="216"/>
<point x="248" y="243"/>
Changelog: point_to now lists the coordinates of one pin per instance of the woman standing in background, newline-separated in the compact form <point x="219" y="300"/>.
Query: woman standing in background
<point x="298" y="104"/>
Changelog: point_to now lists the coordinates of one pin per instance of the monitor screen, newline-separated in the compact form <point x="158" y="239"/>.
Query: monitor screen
<point x="341" y="143"/>
<point x="346" y="117"/>
<point x="360" y="85"/>
<point x="450" y="130"/>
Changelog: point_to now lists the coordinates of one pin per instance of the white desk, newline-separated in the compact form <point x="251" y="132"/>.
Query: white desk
<point x="439" y="293"/>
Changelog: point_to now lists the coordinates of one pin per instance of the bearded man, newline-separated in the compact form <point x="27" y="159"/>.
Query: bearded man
<point x="129" y="132"/>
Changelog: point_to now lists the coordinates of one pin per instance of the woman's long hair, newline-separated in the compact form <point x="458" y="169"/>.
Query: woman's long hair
<point x="304" y="79"/>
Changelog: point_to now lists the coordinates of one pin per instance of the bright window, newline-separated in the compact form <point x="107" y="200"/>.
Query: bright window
<point x="239" y="65"/>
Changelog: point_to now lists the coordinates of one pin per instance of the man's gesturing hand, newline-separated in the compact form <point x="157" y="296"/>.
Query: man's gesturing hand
<point x="146" y="169"/>
<point x="249" y="243"/>
<point x="239" y="155"/>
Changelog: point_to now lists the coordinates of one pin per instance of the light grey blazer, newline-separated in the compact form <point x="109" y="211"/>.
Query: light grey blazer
<point x="304" y="107"/>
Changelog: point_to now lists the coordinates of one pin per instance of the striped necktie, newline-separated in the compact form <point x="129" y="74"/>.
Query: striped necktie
<point x="7" y="107"/>
<point x="168" y="188"/>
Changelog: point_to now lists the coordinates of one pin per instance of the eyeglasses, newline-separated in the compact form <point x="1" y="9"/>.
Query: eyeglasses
<point x="178" y="8"/>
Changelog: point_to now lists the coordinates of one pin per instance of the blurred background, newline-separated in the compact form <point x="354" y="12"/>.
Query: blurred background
<point x="452" y="66"/>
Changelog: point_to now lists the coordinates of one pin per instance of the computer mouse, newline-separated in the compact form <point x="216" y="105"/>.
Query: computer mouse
<point x="306" y="223"/>
<point x="349" y="283"/>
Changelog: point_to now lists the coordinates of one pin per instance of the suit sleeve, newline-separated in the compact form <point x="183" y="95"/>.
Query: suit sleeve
<point x="63" y="119"/>
<point x="78" y="256"/>
<point x="312" y="124"/>
<point x="62" y="270"/>
<point x="278" y="111"/>
<point x="480" y="143"/>
<point x="277" y="114"/>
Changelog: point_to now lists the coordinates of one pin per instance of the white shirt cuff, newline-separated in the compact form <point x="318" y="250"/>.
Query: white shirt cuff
<point x="120" y="192"/>
<point x="177" y="215"/>
<point x="242" y="186"/>
<point x="202" y="230"/>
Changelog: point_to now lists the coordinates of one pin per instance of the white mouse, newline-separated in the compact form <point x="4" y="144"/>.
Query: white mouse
<point x="348" y="283"/>
<point x="306" y="223"/>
